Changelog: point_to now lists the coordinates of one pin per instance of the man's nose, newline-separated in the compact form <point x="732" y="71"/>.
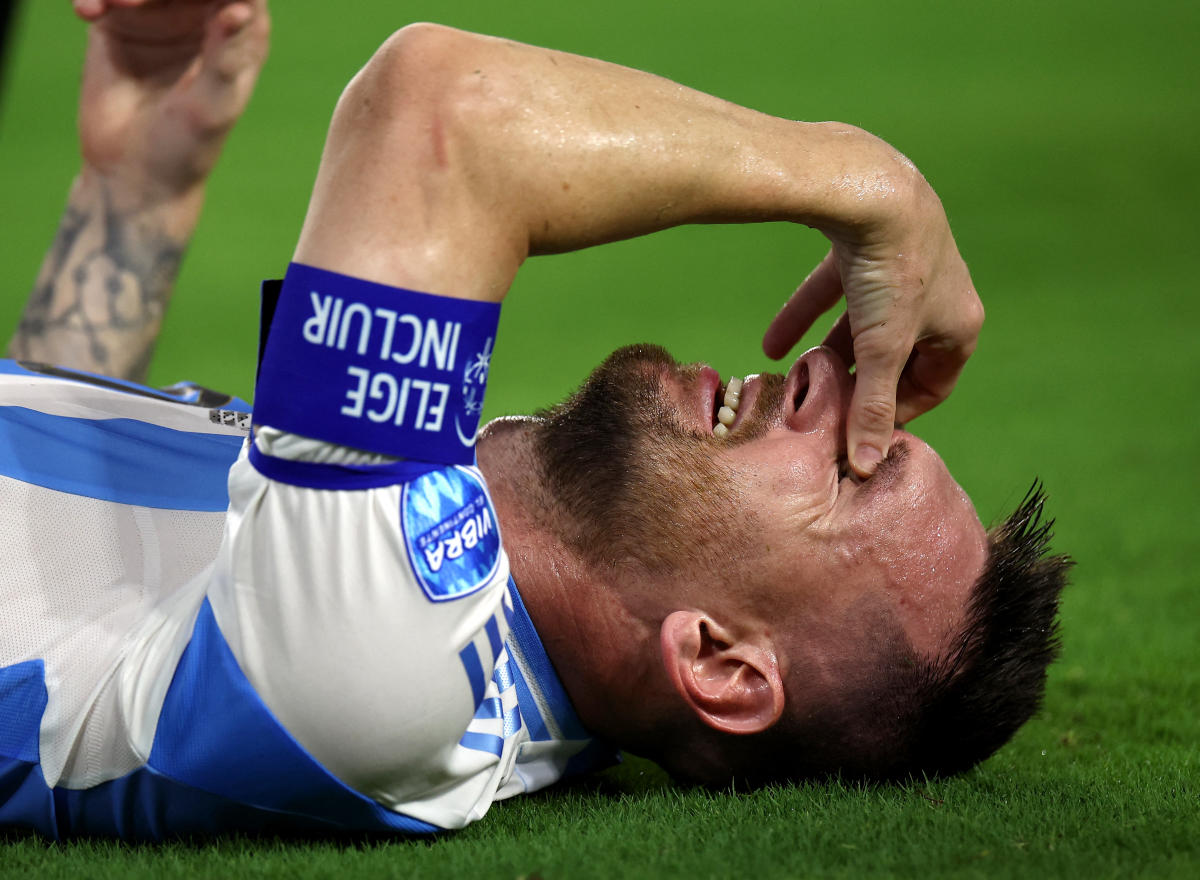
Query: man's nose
<point x="821" y="387"/>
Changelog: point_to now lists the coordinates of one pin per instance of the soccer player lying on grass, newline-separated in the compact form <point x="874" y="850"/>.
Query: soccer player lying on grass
<point x="692" y="570"/>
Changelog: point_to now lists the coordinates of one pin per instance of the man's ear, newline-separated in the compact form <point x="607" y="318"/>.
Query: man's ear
<point x="731" y="683"/>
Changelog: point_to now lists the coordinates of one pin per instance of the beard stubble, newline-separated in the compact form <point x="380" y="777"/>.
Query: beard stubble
<point x="629" y="482"/>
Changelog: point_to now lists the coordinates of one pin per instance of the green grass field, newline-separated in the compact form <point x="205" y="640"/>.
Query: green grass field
<point x="1063" y="140"/>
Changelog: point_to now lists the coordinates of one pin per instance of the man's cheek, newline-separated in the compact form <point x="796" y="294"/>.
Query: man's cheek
<point x="792" y="493"/>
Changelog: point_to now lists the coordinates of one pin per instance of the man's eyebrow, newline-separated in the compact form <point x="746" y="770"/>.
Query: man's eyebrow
<point x="890" y="470"/>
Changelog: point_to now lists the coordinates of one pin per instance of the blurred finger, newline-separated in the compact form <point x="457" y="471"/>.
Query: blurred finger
<point x="235" y="46"/>
<point x="89" y="10"/>
<point x="817" y="295"/>
<point x="234" y="17"/>
<point x="233" y="37"/>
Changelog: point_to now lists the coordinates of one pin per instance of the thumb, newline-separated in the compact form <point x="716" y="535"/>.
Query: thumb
<point x="235" y="45"/>
<point x="872" y="415"/>
<point x="88" y="10"/>
<point x="232" y="39"/>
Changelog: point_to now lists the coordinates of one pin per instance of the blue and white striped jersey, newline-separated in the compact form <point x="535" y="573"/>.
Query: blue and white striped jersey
<point x="202" y="633"/>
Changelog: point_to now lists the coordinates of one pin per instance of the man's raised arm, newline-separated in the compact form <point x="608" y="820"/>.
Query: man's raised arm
<point x="453" y="156"/>
<point x="163" y="83"/>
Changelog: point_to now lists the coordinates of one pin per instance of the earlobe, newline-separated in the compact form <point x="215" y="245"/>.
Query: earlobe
<point x="731" y="682"/>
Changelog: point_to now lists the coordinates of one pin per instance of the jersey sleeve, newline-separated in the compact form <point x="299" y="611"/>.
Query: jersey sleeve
<point x="363" y="619"/>
<point x="362" y="582"/>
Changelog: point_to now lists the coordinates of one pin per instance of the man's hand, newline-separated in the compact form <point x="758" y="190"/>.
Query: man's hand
<point x="164" y="82"/>
<point x="912" y="315"/>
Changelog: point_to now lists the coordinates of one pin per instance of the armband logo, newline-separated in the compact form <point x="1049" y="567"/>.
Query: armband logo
<point x="451" y="533"/>
<point x="475" y="376"/>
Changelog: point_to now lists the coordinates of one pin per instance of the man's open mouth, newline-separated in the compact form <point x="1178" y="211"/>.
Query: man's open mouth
<point x="725" y="406"/>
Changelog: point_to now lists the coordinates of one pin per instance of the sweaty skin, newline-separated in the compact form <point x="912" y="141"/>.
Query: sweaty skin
<point x="511" y="150"/>
<point x="638" y="534"/>
<point x="452" y="157"/>
<point x="908" y="530"/>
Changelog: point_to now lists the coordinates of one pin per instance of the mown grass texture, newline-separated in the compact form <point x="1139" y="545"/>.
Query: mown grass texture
<point x="1061" y="138"/>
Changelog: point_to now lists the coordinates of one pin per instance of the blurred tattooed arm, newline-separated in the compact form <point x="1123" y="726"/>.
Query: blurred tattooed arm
<point x="163" y="84"/>
<point x="103" y="287"/>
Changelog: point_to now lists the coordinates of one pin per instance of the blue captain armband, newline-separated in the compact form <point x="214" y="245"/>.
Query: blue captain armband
<point x="374" y="367"/>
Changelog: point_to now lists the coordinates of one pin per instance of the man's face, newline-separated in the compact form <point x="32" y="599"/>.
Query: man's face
<point x="768" y="514"/>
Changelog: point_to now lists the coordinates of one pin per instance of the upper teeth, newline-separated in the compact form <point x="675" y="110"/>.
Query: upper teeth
<point x="727" y="413"/>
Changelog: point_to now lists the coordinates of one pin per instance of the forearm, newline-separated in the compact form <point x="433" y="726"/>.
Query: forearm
<point x="163" y="84"/>
<point x="453" y="156"/>
<point x="590" y="152"/>
<point x="103" y="288"/>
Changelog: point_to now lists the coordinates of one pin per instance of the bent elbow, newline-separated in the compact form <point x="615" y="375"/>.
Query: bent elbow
<point x="414" y="58"/>
<point x="425" y="73"/>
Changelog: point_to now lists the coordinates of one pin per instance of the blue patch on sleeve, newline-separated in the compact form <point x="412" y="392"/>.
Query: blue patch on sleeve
<point x="451" y="532"/>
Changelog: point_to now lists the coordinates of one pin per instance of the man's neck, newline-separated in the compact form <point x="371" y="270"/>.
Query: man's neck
<point x="594" y="641"/>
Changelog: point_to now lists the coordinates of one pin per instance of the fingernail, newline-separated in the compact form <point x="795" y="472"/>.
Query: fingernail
<point x="867" y="458"/>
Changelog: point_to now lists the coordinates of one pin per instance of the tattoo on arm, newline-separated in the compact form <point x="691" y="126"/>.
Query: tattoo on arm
<point x="103" y="288"/>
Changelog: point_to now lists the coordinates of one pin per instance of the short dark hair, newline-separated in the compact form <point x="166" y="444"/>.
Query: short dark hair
<point x="903" y="715"/>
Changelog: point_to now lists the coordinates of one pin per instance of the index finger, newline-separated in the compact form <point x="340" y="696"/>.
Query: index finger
<point x="816" y="295"/>
<point x="91" y="10"/>
<point x="881" y="353"/>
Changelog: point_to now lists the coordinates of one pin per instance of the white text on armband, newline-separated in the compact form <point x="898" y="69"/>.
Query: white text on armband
<point x="385" y="369"/>
<point x="394" y="337"/>
<point x="394" y="396"/>
<point x="332" y="323"/>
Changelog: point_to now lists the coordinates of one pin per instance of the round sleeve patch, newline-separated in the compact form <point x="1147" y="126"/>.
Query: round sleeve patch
<point x="451" y="533"/>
